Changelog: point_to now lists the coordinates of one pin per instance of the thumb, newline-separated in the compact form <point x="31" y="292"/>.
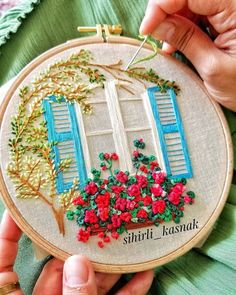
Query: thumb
<point x="188" y="38"/>
<point x="78" y="277"/>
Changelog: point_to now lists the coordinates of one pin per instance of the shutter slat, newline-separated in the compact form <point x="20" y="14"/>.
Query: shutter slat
<point x="63" y="128"/>
<point x="171" y="133"/>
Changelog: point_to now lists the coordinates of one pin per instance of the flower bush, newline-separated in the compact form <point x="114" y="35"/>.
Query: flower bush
<point x="108" y="207"/>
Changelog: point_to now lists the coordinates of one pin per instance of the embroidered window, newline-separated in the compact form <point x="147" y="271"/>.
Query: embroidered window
<point x="118" y="118"/>
<point x="171" y="133"/>
<point x="63" y="129"/>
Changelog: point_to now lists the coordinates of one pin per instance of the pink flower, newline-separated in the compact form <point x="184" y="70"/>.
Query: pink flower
<point x="156" y="190"/>
<point x="91" y="188"/>
<point x="135" y="154"/>
<point x="142" y="181"/>
<point x="159" y="177"/>
<point x="174" y="198"/>
<point x="158" y="206"/>
<point x="130" y="205"/>
<point x="121" y="177"/>
<point x="120" y="204"/>
<point x="187" y="199"/>
<point x="134" y="190"/>
<point x="178" y="188"/>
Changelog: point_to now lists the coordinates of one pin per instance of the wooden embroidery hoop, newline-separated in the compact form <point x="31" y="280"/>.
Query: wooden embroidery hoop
<point x="105" y="34"/>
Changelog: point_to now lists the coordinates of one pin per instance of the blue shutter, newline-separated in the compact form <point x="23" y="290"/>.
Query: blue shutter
<point x="63" y="128"/>
<point x="171" y="133"/>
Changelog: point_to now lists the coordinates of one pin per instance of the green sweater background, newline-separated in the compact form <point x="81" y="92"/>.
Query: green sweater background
<point x="34" y="27"/>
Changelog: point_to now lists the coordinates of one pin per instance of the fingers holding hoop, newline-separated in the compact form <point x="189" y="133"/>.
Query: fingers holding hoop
<point x="9" y="237"/>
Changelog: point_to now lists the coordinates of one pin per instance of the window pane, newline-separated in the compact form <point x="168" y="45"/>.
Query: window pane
<point x="134" y="115"/>
<point x="96" y="95"/>
<point x="99" y="120"/>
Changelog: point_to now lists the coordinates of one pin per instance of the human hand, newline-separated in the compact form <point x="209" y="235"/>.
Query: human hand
<point x="173" y="21"/>
<point x="76" y="277"/>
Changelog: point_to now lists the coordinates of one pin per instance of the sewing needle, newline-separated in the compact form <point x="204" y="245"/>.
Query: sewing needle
<point x="136" y="53"/>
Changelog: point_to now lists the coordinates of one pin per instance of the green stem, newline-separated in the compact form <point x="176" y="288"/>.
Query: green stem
<point x="109" y="167"/>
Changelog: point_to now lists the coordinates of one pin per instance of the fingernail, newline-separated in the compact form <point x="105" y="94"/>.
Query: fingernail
<point x="76" y="271"/>
<point x="164" y="31"/>
<point x="143" y="29"/>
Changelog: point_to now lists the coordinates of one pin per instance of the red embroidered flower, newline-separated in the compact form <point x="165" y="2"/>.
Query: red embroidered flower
<point x="101" y="235"/>
<point x="116" y="221"/>
<point x="114" y="156"/>
<point x="106" y="239"/>
<point x="156" y="190"/>
<point x="130" y="205"/>
<point x="142" y="181"/>
<point x="144" y="169"/>
<point x="153" y="164"/>
<point x="117" y="189"/>
<point x="135" y="154"/>
<point x="174" y="198"/>
<point x="100" y="244"/>
<point x="104" y="214"/>
<point x="91" y="188"/>
<point x="147" y="200"/>
<point x="120" y="204"/>
<point x="126" y="217"/>
<point x="103" y="200"/>
<point x="188" y="200"/>
<point x="83" y="235"/>
<point x="104" y="168"/>
<point x="115" y="235"/>
<point x="109" y="226"/>
<point x="134" y="190"/>
<point x="142" y="214"/>
<point x="90" y="216"/>
<point x="107" y="156"/>
<point x="158" y="206"/>
<point x="105" y="181"/>
<point x="121" y="177"/>
<point x="159" y="177"/>
<point x="78" y="201"/>
<point x="178" y="188"/>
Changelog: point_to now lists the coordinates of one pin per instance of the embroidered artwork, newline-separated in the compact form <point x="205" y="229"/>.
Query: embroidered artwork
<point x="110" y="206"/>
<point x="56" y="140"/>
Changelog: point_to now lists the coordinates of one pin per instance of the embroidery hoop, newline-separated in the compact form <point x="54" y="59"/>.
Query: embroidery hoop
<point x="104" y="33"/>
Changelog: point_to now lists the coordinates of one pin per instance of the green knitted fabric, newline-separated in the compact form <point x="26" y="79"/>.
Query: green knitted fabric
<point x="24" y="34"/>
